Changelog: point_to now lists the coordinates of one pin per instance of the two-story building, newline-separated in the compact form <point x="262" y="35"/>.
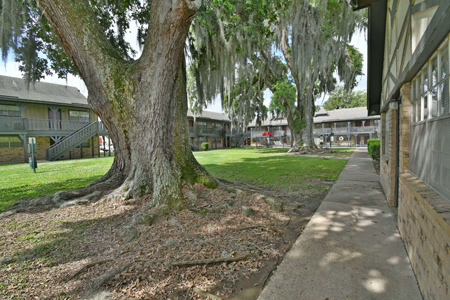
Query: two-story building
<point x="210" y="127"/>
<point x="339" y="127"/>
<point x="408" y="83"/>
<point x="50" y="113"/>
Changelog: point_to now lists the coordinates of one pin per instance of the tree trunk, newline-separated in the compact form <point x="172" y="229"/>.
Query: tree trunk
<point x="142" y="103"/>
<point x="307" y="117"/>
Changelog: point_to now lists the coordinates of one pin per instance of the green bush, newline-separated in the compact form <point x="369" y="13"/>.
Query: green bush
<point x="205" y="146"/>
<point x="373" y="147"/>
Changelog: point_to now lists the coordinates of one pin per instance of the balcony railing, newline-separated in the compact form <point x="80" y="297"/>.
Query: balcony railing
<point x="23" y="124"/>
<point x="12" y="124"/>
<point x="346" y="130"/>
<point x="322" y="131"/>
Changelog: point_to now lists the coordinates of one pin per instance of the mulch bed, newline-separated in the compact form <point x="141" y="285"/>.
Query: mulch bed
<point x="227" y="241"/>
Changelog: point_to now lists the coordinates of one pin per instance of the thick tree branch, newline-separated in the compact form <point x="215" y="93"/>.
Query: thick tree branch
<point x="81" y="36"/>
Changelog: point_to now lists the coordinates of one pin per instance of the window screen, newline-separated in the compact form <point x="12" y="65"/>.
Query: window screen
<point x="76" y="115"/>
<point x="9" y="110"/>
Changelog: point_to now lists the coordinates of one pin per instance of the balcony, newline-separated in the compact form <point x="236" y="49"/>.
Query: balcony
<point x="346" y="130"/>
<point x="16" y="124"/>
<point x="205" y="131"/>
<point x="320" y="131"/>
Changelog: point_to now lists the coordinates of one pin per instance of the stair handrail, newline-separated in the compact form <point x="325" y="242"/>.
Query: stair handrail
<point x="72" y="140"/>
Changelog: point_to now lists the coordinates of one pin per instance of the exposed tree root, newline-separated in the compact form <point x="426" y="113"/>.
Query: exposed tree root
<point x="205" y="294"/>
<point x="109" y="275"/>
<point x="208" y="261"/>
<point x="86" y="267"/>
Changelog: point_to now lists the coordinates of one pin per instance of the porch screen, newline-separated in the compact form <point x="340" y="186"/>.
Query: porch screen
<point x="9" y="110"/>
<point x="430" y="123"/>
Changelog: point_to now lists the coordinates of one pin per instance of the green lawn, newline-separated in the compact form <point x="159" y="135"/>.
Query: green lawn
<point x="18" y="180"/>
<point x="264" y="167"/>
<point x="269" y="167"/>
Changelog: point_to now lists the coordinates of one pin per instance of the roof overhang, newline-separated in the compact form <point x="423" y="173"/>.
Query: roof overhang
<point x="18" y="100"/>
<point x="376" y="34"/>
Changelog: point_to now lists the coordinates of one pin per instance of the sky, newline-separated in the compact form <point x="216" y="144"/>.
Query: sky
<point x="11" y="68"/>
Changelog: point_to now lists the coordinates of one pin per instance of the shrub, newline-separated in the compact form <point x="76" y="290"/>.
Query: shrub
<point x="373" y="147"/>
<point x="205" y="146"/>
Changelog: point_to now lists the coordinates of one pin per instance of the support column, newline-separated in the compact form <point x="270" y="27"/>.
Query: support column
<point x="23" y="137"/>
<point x="109" y="147"/>
<point x="92" y="146"/>
<point x="98" y="145"/>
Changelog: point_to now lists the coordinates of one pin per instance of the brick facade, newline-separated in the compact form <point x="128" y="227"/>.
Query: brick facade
<point x="16" y="154"/>
<point x="388" y="158"/>
<point x="424" y="224"/>
<point x="11" y="155"/>
<point x="423" y="214"/>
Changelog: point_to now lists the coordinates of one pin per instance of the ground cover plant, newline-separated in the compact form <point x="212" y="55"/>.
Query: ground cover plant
<point x="226" y="243"/>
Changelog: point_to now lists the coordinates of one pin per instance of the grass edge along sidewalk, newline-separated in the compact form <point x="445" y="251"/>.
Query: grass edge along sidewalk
<point x="264" y="167"/>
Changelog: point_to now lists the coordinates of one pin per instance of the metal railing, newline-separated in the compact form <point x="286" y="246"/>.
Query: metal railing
<point x="57" y="125"/>
<point x="322" y="131"/>
<point x="364" y="129"/>
<point x="73" y="140"/>
<point x="13" y="124"/>
<point x="21" y="124"/>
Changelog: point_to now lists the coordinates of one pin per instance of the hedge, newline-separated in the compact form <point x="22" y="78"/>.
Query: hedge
<point x="373" y="147"/>
<point x="205" y="146"/>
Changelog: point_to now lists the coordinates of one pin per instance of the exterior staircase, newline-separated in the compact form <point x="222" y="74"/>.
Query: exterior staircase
<point x="74" y="140"/>
<point x="241" y="137"/>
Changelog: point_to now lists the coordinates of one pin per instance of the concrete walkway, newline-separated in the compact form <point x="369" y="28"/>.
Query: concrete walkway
<point x="351" y="248"/>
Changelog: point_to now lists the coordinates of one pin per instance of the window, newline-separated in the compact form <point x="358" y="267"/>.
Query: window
<point x="10" y="142"/>
<point x="9" y="110"/>
<point x="76" y="115"/>
<point x="430" y="88"/>
<point x="201" y="124"/>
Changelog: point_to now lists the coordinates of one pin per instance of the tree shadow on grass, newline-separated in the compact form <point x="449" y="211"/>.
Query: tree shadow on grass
<point x="15" y="197"/>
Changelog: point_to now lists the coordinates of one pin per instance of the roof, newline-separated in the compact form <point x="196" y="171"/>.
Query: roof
<point x="16" y="89"/>
<point x="323" y="116"/>
<point x="209" y="115"/>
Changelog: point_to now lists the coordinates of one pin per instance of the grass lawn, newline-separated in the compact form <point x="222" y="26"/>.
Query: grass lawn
<point x="265" y="167"/>
<point x="269" y="167"/>
<point x="18" y="180"/>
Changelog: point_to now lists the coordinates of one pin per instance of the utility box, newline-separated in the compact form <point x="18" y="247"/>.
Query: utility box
<point x="32" y="145"/>
<point x="33" y="162"/>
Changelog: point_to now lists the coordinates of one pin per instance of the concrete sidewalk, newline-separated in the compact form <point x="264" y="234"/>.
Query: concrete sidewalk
<point x="351" y="248"/>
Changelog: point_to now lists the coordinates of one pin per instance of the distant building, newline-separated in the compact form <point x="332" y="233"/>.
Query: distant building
<point x="209" y="127"/>
<point x="50" y="113"/>
<point x="339" y="127"/>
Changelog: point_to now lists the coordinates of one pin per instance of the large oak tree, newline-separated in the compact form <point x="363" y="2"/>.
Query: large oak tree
<point x="142" y="102"/>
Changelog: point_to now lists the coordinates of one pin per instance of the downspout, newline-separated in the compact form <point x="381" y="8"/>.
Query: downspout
<point x="397" y="152"/>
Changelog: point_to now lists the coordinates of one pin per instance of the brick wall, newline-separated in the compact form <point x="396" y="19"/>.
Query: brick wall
<point x="388" y="158"/>
<point x="15" y="155"/>
<point x="11" y="155"/>
<point x="424" y="225"/>
<point x="405" y="111"/>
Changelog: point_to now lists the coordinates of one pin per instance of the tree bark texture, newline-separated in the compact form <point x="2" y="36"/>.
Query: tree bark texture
<point x="302" y="136"/>
<point x="140" y="102"/>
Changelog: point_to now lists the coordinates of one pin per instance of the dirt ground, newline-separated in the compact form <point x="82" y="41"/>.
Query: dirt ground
<point x="226" y="243"/>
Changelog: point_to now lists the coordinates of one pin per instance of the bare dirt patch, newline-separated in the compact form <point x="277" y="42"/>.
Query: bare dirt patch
<point x="226" y="243"/>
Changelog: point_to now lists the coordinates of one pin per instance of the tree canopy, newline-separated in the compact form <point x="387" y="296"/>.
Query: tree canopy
<point x="340" y="98"/>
